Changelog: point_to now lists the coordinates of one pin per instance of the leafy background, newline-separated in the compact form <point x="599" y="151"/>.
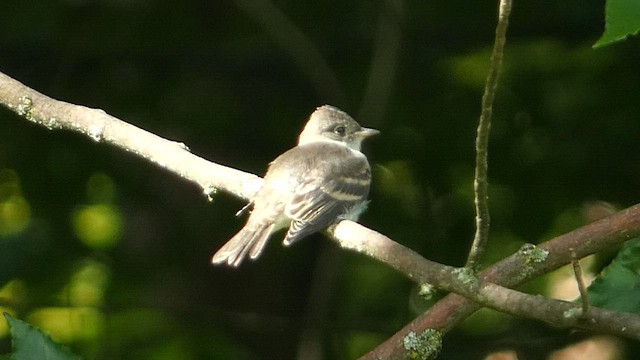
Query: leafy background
<point x="110" y="255"/>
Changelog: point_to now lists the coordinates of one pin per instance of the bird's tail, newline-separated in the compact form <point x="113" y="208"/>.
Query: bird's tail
<point x="249" y="240"/>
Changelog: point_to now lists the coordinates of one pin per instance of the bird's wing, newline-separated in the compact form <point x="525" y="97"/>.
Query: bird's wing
<point x="326" y="194"/>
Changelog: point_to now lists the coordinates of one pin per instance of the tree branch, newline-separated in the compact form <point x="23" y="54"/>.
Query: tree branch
<point x="488" y="290"/>
<point x="528" y="261"/>
<point x="481" y="182"/>
<point x="515" y="270"/>
<point x="102" y="127"/>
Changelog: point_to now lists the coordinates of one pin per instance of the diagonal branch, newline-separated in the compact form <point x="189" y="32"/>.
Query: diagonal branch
<point x="488" y="290"/>
<point x="517" y="269"/>
<point x="102" y="127"/>
<point x="528" y="263"/>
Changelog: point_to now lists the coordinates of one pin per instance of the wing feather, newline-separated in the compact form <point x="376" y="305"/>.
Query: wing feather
<point x="327" y="192"/>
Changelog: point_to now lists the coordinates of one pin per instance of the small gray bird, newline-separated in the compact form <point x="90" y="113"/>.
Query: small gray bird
<point x="325" y="178"/>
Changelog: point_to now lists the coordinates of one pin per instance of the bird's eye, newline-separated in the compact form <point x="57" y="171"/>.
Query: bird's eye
<point x="340" y="130"/>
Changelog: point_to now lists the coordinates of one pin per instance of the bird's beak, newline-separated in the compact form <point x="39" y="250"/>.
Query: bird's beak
<point x="366" y="132"/>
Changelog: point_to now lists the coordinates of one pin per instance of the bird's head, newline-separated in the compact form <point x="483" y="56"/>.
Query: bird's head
<point x="329" y="123"/>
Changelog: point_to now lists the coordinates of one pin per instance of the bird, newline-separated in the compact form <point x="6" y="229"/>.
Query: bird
<point x="325" y="178"/>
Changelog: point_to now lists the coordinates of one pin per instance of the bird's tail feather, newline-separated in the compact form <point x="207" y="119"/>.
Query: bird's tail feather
<point x="249" y="240"/>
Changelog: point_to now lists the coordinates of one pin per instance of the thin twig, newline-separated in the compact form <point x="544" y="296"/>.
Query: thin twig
<point x="584" y="296"/>
<point x="481" y="182"/>
<point x="299" y="47"/>
<point x="384" y="62"/>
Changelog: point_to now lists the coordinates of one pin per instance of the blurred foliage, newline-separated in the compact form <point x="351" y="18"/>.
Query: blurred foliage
<point x="110" y="254"/>
<point x="98" y="225"/>
<point x="15" y="212"/>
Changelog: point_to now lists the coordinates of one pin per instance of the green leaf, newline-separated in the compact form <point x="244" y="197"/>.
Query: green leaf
<point x="618" y="287"/>
<point x="30" y="343"/>
<point x="622" y="20"/>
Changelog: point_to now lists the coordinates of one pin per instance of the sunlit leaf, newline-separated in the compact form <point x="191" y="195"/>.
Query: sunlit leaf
<point x="622" y="20"/>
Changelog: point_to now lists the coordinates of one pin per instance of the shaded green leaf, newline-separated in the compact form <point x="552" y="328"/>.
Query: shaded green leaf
<point x="622" y="20"/>
<point x="30" y="343"/>
<point x="618" y="288"/>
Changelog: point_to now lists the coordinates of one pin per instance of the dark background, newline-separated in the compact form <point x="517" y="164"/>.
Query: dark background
<point x="220" y="77"/>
